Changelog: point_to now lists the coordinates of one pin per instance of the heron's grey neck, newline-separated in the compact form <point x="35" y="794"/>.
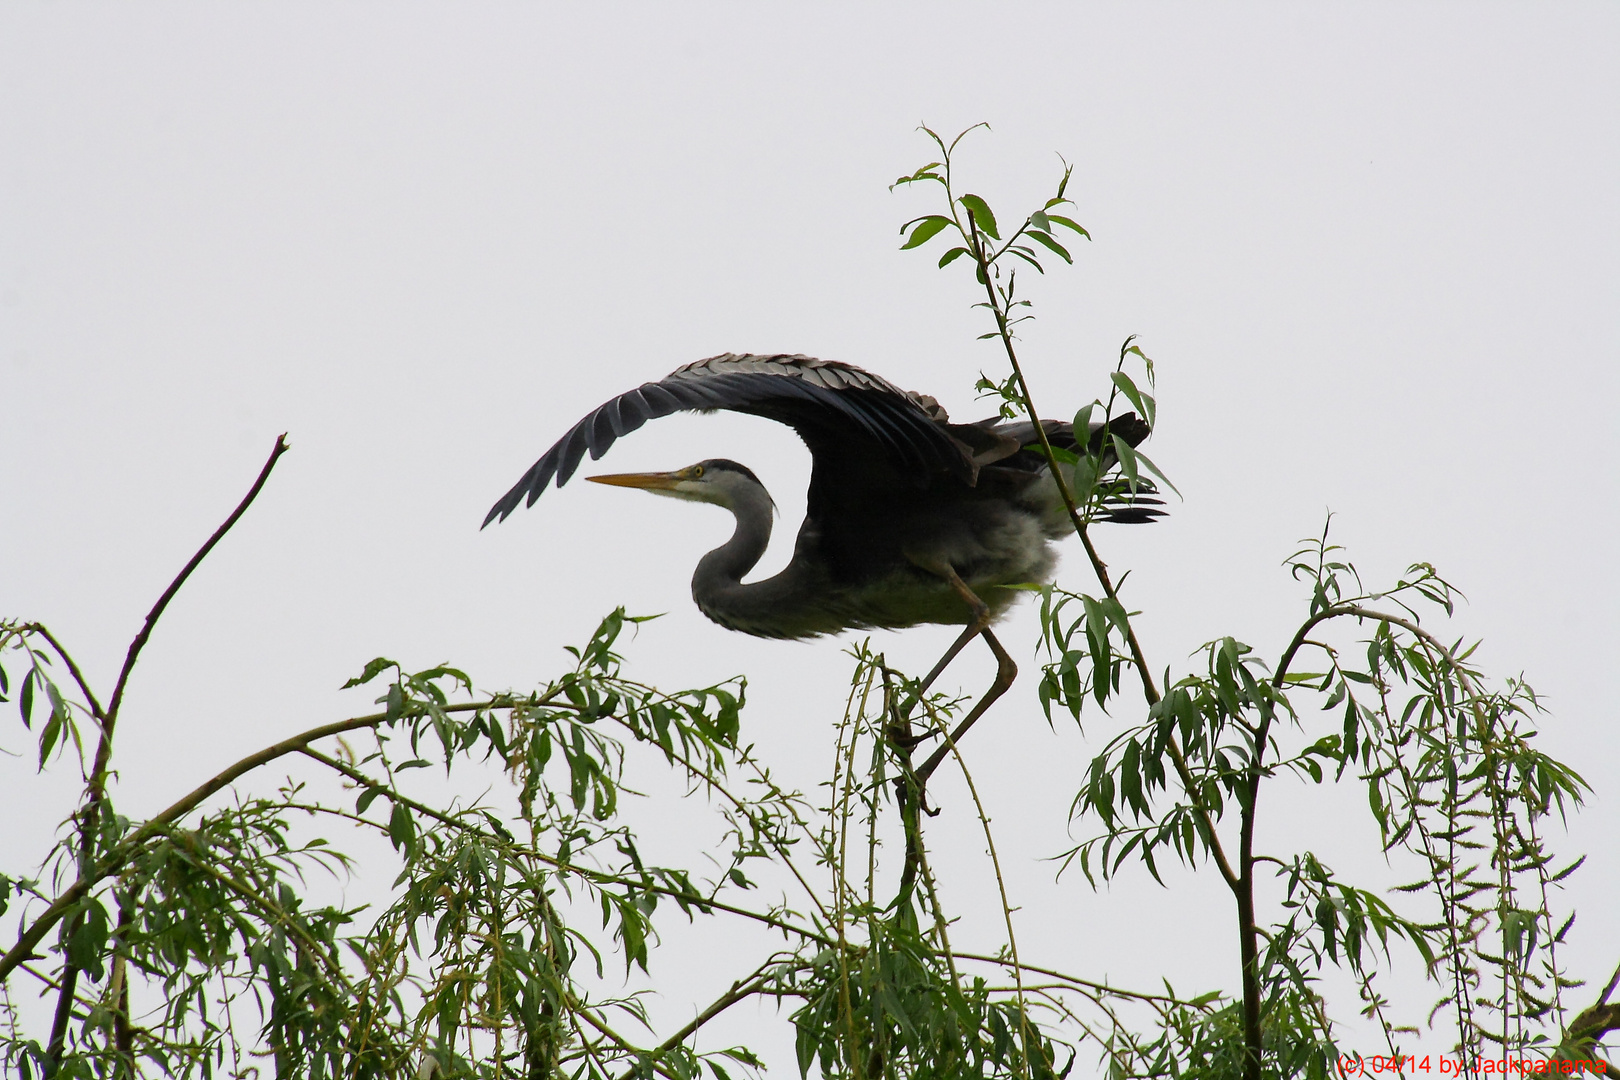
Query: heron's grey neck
<point x="719" y="574"/>
<point x="785" y="605"/>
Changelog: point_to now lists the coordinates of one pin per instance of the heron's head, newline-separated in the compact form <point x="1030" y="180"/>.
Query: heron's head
<point x="717" y="480"/>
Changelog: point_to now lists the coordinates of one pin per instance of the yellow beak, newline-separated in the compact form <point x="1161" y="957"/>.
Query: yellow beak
<point x="657" y="481"/>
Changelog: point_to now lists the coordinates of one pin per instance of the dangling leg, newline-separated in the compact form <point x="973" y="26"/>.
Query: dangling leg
<point x="978" y="617"/>
<point x="978" y="626"/>
<point x="910" y="788"/>
<point x="1006" y="672"/>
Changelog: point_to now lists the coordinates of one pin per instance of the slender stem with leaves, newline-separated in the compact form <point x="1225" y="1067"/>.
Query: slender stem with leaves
<point x="1456" y="765"/>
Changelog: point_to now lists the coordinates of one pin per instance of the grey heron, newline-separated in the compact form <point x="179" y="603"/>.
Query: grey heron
<point x="910" y="518"/>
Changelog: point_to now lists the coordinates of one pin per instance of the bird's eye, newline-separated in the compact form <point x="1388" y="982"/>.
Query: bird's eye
<point x="697" y="472"/>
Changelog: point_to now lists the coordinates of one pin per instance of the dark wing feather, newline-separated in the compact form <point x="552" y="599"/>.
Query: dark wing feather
<point x="1121" y="507"/>
<point x="1127" y="426"/>
<point x="845" y="415"/>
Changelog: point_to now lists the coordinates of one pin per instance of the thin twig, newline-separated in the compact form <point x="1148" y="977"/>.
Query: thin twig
<point x="600" y="877"/>
<point x="118" y="856"/>
<point x="1001" y="887"/>
<point x="135" y="647"/>
<point x="73" y="669"/>
<point x="741" y="990"/>
<point x="96" y="787"/>
<point x="1101" y="988"/>
<point x="1614" y="980"/>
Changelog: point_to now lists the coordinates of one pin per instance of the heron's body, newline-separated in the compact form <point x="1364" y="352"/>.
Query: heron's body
<point x="866" y="569"/>
<point x="900" y="499"/>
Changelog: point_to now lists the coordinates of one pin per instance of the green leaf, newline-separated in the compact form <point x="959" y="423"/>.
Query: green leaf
<point x="1038" y="220"/>
<point x="1127" y="459"/>
<point x="982" y="217"/>
<point x="48" y="737"/>
<point x="402" y="829"/>
<point x="86" y="943"/>
<point x="25" y="698"/>
<point x="1568" y="870"/>
<point x="951" y="256"/>
<point x="1046" y="239"/>
<point x="1147" y="463"/>
<point x="1068" y="223"/>
<point x="373" y="669"/>
<point x="1028" y="256"/>
<point x="925" y="173"/>
<point x="927" y="228"/>
<point x="1145" y="405"/>
<point x="1082" y="425"/>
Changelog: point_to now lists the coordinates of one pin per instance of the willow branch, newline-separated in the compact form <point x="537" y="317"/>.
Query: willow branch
<point x="1074" y="980"/>
<point x="116" y="858"/>
<point x="73" y="669"/>
<point x="583" y="1012"/>
<point x="104" y="751"/>
<point x="1150" y="690"/>
<point x="741" y="990"/>
<point x="600" y="877"/>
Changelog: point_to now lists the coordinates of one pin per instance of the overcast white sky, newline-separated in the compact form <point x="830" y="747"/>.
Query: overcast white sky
<point x="1374" y="249"/>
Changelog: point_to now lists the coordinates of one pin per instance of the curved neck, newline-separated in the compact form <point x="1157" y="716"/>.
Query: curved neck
<point x="721" y="570"/>
<point x="757" y="608"/>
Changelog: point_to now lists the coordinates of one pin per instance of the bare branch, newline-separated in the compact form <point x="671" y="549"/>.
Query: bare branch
<point x="152" y="616"/>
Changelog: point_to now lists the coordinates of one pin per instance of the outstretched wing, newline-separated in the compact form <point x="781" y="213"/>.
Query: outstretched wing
<point x="836" y="408"/>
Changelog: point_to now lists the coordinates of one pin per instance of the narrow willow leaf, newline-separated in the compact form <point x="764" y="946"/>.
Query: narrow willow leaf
<point x="982" y="217"/>
<point x="1068" y="223"/>
<point x="1046" y="239"/>
<point x="48" y="737"/>
<point x="1082" y="425"/>
<point x="1568" y="870"/>
<point x="926" y="230"/>
<point x="373" y="669"/>
<point x="1028" y="256"/>
<point x="1145" y="405"/>
<point x="1147" y="463"/>
<point x="1127" y="459"/>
